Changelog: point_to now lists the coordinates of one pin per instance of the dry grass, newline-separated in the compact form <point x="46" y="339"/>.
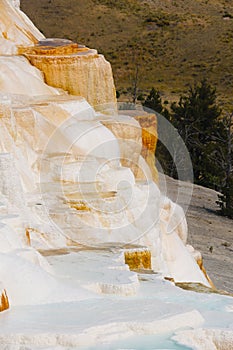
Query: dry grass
<point x="173" y="42"/>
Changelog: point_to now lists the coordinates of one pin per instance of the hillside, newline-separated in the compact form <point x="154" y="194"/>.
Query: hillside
<point x="173" y="43"/>
<point x="209" y="233"/>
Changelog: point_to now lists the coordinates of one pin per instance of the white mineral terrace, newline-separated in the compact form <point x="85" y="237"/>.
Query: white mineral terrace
<point x="70" y="211"/>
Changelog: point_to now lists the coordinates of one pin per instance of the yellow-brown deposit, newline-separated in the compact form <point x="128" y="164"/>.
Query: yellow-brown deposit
<point x="51" y="47"/>
<point x="80" y="206"/>
<point x="4" y="303"/>
<point x="148" y="123"/>
<point x="28" y="238"/>
<point x="147" y="126"/>
<point x="129" y="135"/>
<point x="200" y="264"/>
<point x="138" y="259"/>
<point x="200" y="288"/>
<point x="78" y="70"/>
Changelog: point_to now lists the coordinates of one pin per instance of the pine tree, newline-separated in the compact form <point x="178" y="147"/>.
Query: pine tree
<point x="153" y="101"/>
<point x="224" y="159"/>
<point x="196" y="117"/>
<point x="226" y="199"/>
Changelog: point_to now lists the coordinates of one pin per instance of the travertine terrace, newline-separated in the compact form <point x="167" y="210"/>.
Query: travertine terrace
<point x="79" y="199"/>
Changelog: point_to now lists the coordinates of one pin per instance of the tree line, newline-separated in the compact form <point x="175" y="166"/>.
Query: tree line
<point x="207" y="132"/>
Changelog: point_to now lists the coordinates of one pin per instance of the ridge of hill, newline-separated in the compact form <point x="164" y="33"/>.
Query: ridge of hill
<point x="173" y="43"/>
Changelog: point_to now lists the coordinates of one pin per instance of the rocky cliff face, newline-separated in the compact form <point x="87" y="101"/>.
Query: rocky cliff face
<point x="15" y="29"/>
<point x="71" y="176"/>
<point x="78" y="70"/>
<point x="20" y="78"/>
<point x="65" y="65"/>
<point x="137" y="137"/>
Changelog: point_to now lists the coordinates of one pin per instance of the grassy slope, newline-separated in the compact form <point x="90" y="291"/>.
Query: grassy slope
<point x="173" y="42"/>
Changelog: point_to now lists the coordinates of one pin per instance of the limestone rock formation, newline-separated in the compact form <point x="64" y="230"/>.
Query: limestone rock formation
<point x="198" y="257"/>
<point x="138" y="259"/>
<point x="18" y="77"/>
<point x="4" y="302"/>
<point x="148" y="124"/>
<point x="15" y="3"/>
<point x="76" y="69"/>
<point x="15" y="29"/>
<point x="66" y="65"/>
<point x="129" y="135"/>
<point x="137" y="136"/>
<point x="72" y="176"/>
<point x="82" y="217"/>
